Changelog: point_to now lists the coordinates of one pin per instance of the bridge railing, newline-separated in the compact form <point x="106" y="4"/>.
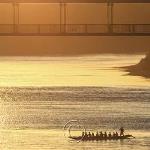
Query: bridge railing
<point x="74" y="1"/>
<point x="73" y="28"/>
<point x="131" y="28"/>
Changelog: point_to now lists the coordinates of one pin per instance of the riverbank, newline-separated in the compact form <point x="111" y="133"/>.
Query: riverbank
<point x="140" y="69"/>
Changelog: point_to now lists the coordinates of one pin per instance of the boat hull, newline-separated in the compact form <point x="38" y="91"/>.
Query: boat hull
<point x="80" y="138"/>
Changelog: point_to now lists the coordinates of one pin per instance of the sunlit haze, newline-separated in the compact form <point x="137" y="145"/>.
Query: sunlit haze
<point x="76" y="14"/>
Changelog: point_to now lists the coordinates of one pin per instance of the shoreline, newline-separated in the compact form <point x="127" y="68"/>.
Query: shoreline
<point x="68" y="54"/>
<point x="140" y="69"/>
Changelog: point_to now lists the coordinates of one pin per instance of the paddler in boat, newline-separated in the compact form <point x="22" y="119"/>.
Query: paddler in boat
<point x="85" y="135"/>
<point x="116" y="134"/>
<point x="101" y="134"/>
<point x="89" y="135"/>
<point x="121" y="131"/>
<point x="109" y="135"/>
<point x="105" y="134"/>
<point x="93" y="134"/>
<point x="97" y="135"/>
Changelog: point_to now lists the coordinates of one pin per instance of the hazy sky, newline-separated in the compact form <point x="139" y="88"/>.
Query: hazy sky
<point x="77" y="14"/>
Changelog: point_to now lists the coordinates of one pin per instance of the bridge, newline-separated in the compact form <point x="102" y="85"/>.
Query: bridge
<point x="65" y="29"/>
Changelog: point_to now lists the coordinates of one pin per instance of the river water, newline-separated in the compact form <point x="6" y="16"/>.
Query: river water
<point x="38" y="96"/>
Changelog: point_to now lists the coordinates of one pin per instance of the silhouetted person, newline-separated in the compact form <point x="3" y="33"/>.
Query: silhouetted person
<point x="121" y="131"/>
<point x="93" y="135"/>
<point x="89" y="135"/>
<point x="97" y="135"/>
<point x="101" y="134"/>
<point x="83" y="134"/>
<point x="116" y="134"/>
<point x="109" y="135"/>
<point x="105" y="134"/>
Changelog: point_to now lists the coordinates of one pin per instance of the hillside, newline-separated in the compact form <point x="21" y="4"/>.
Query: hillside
<point x="142" y="68"/>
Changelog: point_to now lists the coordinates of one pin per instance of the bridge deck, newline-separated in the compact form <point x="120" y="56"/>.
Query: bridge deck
<point x="74" y="29"/>
<point x="61" y="29"/>
<point x="76" y="34"/>
<point x="74" y="1"/>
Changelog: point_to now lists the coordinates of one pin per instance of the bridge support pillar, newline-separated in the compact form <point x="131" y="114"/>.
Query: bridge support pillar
<point x="15" y="16"/>
<point x="63" y="17"/>
<point x="110" y="14"/>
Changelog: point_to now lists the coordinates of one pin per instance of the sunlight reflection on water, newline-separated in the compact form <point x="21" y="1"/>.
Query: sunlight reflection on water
<point x="33" y="117"/>
<point x="95" y="70"/>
